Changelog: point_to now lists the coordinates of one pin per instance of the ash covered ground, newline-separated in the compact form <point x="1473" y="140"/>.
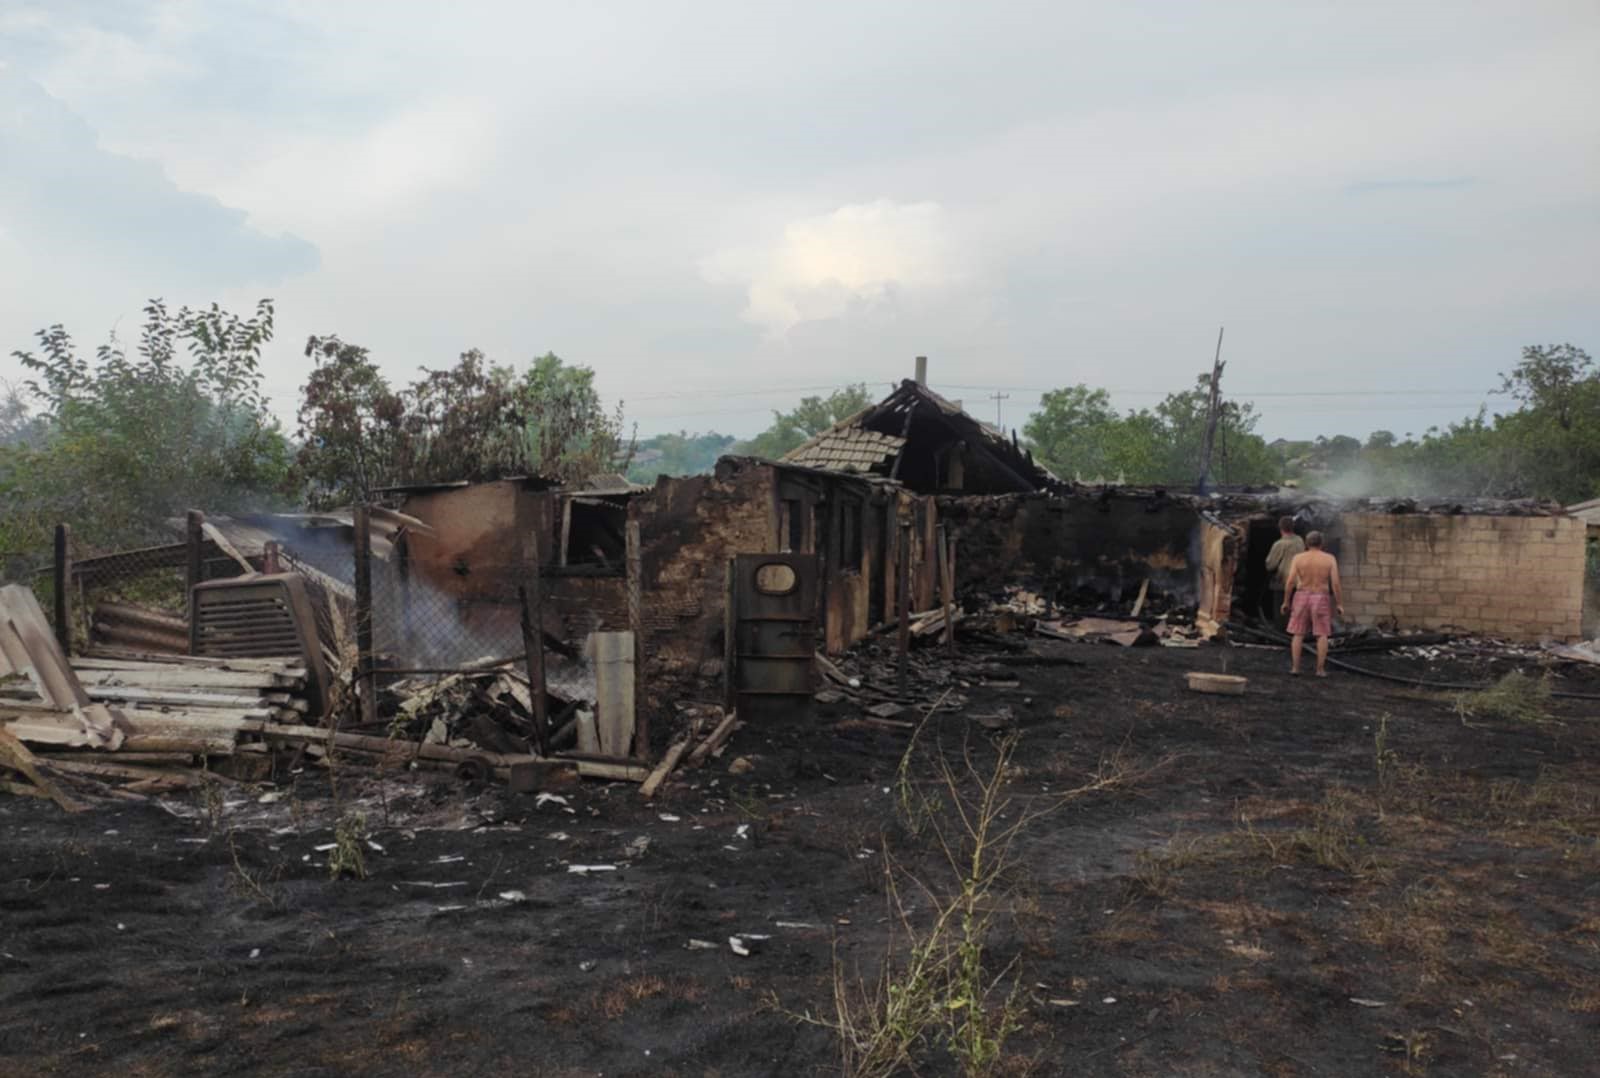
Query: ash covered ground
<point x="1334" y="878"/>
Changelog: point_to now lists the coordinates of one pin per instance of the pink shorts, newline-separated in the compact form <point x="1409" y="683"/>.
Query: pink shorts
<point x="1313" y="610"/>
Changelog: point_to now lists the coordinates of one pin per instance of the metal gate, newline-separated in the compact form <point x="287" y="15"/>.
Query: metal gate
<point x="774" y="634"/>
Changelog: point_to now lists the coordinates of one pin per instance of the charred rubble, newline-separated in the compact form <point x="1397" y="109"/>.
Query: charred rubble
<point x="899" y="561"/>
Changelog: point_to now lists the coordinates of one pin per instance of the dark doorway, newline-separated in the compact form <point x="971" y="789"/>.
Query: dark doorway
<point x="1252" y="591"/>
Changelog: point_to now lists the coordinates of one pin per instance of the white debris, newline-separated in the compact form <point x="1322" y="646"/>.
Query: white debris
<point x="514" y="896"/>
<point x="584" y="870"/>
<point x="667" y="817"/>
<point x="545" y="799"/>
<point x="736" y="945"/>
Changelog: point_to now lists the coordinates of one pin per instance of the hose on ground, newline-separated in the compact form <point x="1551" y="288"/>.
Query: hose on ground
<point x="1275" y="637"/>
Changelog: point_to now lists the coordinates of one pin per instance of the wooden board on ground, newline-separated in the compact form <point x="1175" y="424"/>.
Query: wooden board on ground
<point x="15" y="755"/>
<point x="663" y="769"/>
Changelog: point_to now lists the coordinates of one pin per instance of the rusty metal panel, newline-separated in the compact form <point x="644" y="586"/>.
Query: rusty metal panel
<point x="775" y="626"/>
<point x="259" y="617"/>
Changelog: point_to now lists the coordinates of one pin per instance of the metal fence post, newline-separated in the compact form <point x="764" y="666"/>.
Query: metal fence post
<point x="63" y="588"/>
<point x="366" y="673"/>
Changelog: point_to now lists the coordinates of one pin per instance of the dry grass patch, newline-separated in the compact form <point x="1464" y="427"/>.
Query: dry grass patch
<point x="615" y="1001"/>
<point x="1333" y="839"/>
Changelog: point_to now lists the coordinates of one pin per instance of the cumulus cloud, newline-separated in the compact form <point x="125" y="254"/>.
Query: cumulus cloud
<point x="857" y="258"/>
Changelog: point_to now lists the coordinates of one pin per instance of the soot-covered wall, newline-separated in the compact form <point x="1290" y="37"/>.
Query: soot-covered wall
<point x="1101" y="545"/>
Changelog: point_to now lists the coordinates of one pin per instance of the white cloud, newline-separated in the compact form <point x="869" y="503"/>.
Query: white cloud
<point x="858" y="257"/>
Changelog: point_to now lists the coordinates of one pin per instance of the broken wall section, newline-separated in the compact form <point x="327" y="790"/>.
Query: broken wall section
<point x="1102" y="546"/>
<point x="1519" y="577"/>
<point x="688" y="529"/>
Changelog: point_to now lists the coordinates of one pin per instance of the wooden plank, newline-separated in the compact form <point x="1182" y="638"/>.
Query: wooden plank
<point x="591" y="769"/>
<point x="174" y="697"/>
<point x="721" y="733"/>
<point x="14" y="754"/>
<point x="384" y="745"/>
<point x="154" y="677"/>
<point x="214" y="533"/>
<point x="55" y="728"/>
<point x="52" y="676"/>
<point x="117" y="658"/>
<point x="614" y="700"/>
<point x="1138" y="604"/>
<point x="122" y="771"/>
<point x="663" y="769"/>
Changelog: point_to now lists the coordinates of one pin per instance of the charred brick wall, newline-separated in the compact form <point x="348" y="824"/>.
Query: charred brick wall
<point x="1513" y="576"/>
<point x="1106" y="545"/>
<point x="575" y="606"/>
<point x="688" y="529"/>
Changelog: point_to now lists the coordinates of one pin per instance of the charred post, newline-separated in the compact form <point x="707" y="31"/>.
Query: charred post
<point x="531" y="596"/>
<point x="194" y="539"/>
<point x="641" y="726"/>
<point x="366" y="674"/>
<point x="63" y="588"/>
<point x="902" y="590"/>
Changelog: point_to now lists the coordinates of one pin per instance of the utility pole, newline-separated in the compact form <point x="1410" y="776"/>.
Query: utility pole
<point x="1213" y="413"/>
<point x="997" y="397"/>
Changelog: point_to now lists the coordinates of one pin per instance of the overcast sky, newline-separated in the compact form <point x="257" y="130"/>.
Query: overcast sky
<point x="719" y="206"/>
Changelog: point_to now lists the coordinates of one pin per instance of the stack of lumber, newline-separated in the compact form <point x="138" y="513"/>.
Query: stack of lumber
<point x="271" y="689"/>
<point x="165" y="703"/>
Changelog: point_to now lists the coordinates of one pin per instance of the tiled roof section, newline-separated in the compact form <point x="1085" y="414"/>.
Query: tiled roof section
<point x="846" y="449"/>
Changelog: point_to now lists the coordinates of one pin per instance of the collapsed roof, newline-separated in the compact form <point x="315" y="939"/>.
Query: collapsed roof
<point x="926" y="442"/>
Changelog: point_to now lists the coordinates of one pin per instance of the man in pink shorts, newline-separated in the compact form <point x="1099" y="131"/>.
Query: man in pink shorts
<point x="1313" y="587"/>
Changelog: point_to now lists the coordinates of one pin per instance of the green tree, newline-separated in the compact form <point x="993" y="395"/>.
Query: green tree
<point x="811" y="416"/>
<point x="124" y="442"/>
<point x="351" y="426"/>
<point x="475" y="420"/>
<point x="570" y="434"/>
<point x="1076" y="433"/>
<point x="678" y="454"/>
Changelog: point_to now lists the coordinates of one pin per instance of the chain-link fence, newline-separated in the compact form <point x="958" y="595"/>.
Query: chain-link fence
<point x="427" y="621"/>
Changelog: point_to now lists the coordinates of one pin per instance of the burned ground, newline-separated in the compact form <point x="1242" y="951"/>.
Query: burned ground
<point x="1340" y="877"/>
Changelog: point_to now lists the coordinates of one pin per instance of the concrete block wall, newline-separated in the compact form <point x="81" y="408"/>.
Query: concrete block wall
<point x="1515" y="577"/>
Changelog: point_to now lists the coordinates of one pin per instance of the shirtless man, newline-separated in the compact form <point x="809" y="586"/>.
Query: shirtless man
<point x="1313" y="581"/>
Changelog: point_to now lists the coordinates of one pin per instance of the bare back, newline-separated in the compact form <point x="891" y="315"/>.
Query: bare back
<point x="1315" y="571"/>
